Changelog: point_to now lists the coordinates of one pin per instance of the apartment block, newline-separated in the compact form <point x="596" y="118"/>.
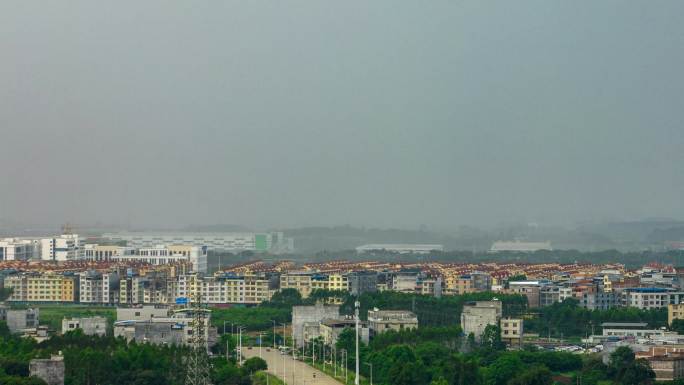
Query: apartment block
<point x="42" y="287"/>
<point x="226" y="288"/>
<point x="98" y="287"/>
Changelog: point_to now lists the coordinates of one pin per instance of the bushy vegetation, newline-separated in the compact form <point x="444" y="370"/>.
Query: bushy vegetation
<point x="432" y="311"/>
<point x="107" y="360"/>
<point x="575" y="321"/>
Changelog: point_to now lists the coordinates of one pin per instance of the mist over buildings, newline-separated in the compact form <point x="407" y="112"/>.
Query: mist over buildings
<point x="382" y="114"/>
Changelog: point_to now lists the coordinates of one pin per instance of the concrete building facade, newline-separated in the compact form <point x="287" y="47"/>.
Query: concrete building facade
<point x="49" y="370"/>
<point x="89" y="325"/>
<point x="380" y="321"/>
<point x="476" y="316"/>
<point x="310" y="314"/>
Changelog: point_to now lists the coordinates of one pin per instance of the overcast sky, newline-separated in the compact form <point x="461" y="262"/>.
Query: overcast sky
<point x="382" y="113"/>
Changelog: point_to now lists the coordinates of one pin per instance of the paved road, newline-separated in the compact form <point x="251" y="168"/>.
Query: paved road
<point x="304" y="374"/>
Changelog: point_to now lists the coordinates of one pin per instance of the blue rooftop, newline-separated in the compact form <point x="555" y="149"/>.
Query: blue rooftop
<point x="648" y="290"/>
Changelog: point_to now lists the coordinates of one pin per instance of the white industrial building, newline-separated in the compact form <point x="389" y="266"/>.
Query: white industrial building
<point x="234" y="242"/>
<point x="162" y="254"/>
<point x="62" y="248"/>
<point x="518" y="246"/>
<point x="14" y="249"/>
<point x="400" y="248"/>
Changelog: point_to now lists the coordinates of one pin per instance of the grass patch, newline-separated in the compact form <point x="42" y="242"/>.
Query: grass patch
<point x="261" y="379"/>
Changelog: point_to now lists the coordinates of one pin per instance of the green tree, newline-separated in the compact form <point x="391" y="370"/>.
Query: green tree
<point x="626" y="370"/>
<point x="491" y="338"/>
<point x="535" y="375"/>
<point x="503" y="369"/>
<point x="254" y="364"/>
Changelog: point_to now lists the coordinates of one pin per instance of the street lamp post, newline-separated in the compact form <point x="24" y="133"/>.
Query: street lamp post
<point x="239" y="345"/>
<point x="371" y="372"/>
<point x="261" y="336"/>
<point x="274" y="333"/>
<point x="283" y="352"/>
<point x="346" y="364"/>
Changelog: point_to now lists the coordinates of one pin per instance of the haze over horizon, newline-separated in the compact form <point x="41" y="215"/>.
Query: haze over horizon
<point x="386" y="114"/>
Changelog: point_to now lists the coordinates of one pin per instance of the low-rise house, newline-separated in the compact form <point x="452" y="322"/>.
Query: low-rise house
<point x="89" y="325"/>
<point x="330" y="329"/>
<point x="19" y="320"/>
<point x="380" y="321"/>
<point x="50" y="370"/>
<point x="512" y="331"/>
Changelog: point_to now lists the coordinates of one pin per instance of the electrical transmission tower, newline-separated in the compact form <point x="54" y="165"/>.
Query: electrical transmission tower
<point x="198" y="360"/>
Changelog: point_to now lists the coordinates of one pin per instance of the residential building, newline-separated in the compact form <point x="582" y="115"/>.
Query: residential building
<point x="19" y="320"/>
<point x="310" y="314"/>
<point x="549" y="294"/>
<point x="42" y="287"/>
<point x="50" y="370"/>
<point x="89" y="325"/>
<point x="647" y="297"/>
<point x="666" y="362"/>
<point x="176" y="329"/>
<point x="601" y="300"/>
<point x="380" y="321"/>
<point x="98" y="287"/>
<point x="512" y="331"/>
<point x="330" y="282"/>
<point x="298" y="280"/>
<point x="155" y="287"/>
<point x="470" y="283"/>
<point x="330" y="330"/>
<point x="530" y="289"/>
<point x="675" y="311"/>
<point x="141" y="313"/>
<point x="476" y="316"/>
<point x="430" y="286"/>
<point x="224" y="288"/>
<point x="405" y="281"/>
<point x="362" y="282"/>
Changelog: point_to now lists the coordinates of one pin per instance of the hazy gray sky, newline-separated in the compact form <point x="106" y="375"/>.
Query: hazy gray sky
<point x="377" y="113"/>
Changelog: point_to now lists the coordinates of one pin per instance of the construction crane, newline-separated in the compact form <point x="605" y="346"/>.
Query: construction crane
<point x="198" y="360"/>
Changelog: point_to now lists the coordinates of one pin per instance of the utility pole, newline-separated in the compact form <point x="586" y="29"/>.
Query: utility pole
<point x="357" y="305"/>
<point x="198" y="360"/>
